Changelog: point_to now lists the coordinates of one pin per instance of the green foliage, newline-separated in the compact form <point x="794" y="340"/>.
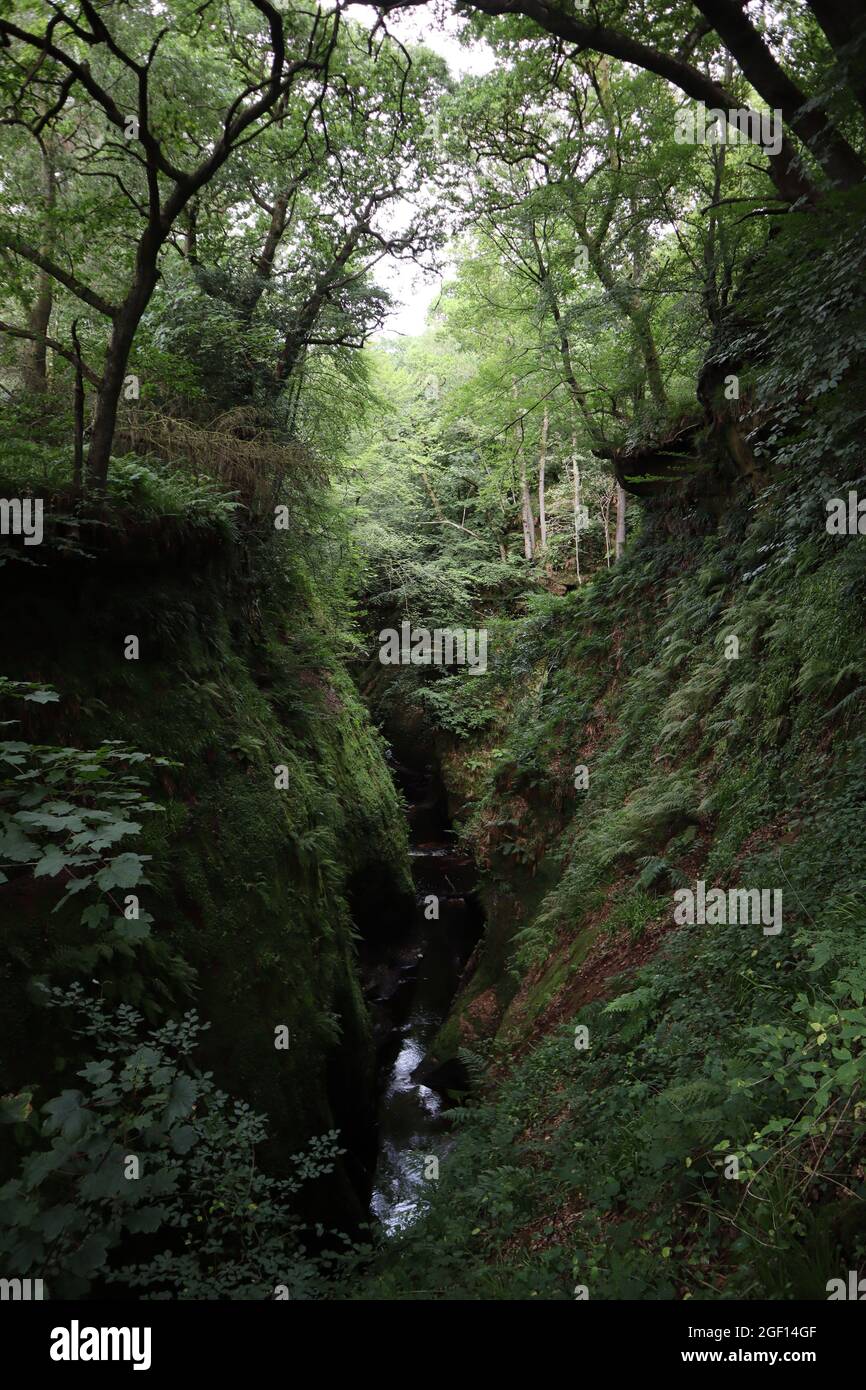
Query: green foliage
<point x="807" y="336"/>
<point x="64" y="813"/>
<point x="79" y="805"/>
<point x="200" y="1217"/>
<point x="606" y="276"/>
<point x="615" y="1166"/>
<point x="246" y="893"/>
<point x="151" y="491"/>
<point x="147" y="1152"/>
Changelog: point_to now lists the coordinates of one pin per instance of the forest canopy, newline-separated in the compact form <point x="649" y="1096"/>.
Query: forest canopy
<point x="220" y="181"/>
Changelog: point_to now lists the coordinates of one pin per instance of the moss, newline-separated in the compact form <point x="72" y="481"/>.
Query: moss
<point x="250" y="885"/>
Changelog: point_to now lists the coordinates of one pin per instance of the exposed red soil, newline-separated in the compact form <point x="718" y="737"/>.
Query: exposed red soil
<point x="314" y="681"/>
<point x="481" y="1018"/>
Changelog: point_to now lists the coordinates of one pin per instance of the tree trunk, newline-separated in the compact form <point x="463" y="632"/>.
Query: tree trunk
<point x="34" y="358"/>
<point x="295" y="340"/>
<point x="440" y="516"/>
<point x="628" y="302"/>
<point x="78" y="413"/>
<point x="527" y="516"/>
<point x="841" y="27"/>
<point x="123" y="331"/>
<point x="577" y="520"/>
<point x="542" y="463"/>
<point x="34" y="365"/>
<point x="649" y="353"/>
<point x="576" y="391"/>
<point x="840" y="162"/>
<point x="620" y="520"/>
<point x="191" y="233"/>
<point x="605" y="517"/>
<point x="265" y="260"/>
<point x="527" y="519"/>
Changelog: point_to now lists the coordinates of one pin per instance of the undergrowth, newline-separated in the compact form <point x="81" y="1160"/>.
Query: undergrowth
<point x="708" y="1141"/>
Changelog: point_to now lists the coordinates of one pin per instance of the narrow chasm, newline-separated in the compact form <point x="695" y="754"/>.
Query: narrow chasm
<point x="411" y="973"/>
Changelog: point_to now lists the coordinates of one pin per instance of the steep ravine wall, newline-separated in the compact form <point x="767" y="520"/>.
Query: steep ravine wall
<point x="617" y="1052"/>
<point x="638" y="690"/>
<point x="252" y="889"/>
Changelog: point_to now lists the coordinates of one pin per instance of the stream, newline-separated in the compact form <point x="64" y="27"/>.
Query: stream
<point x="411" y="981"/>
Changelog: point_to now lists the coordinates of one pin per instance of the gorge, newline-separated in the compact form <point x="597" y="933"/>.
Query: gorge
<point x="433" y="760"/>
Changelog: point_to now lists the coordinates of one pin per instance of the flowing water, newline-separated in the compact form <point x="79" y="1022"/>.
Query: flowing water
<point x="411" y="982"/>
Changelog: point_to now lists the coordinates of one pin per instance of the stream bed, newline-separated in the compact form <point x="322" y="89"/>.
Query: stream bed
<point x="411" y="981"/>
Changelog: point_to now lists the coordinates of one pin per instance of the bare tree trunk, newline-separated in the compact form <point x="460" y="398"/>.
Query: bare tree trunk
<point x="34" y="366"/>
<point x="191" y="232"/>
<point x="124" y="326"/>
<point x="542" y="463"/>
<point x="527" y="519"/>
<point x="296" y="386"/>
<point x="526" y="511"/>
<point x="605" y="516"/>
<point x="78" y="411"/>
<point x="279" y="219"/>
<point x="620" y="520"/>
<point x="34" y="359"/>
<point x="577" y="518"/>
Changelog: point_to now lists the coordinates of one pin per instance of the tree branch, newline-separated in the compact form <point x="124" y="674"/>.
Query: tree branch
<point x="15" y="332"/>
<point x="64" y="277"/>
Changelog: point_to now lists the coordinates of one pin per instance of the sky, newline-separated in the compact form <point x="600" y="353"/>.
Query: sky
<point x="414" y="290"/>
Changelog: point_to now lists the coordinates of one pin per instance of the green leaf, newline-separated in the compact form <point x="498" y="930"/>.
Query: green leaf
<point x="182" y="1138"/>
<point x="132" y="932"/>
<point x="124" y="871"/>
<point x="52" y="861"/>
<point x="93" y="915"/>
<point x="181" y="1099"/>
<point x="146" y="1219"/>
<point x="15" y="846"/>
<point x="58" y="1219"/>
<point x="66" y="1115"/>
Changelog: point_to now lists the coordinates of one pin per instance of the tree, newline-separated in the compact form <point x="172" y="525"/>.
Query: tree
<point x="724" y="21"/>
<point x="78" y="67"/>
<point x="313" y="130"/>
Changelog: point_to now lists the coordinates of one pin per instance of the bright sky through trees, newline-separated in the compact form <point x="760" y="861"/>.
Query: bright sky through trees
<point x="413" y="291"/>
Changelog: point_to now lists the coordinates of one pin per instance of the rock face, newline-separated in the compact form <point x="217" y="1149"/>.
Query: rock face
<point x="661" y="466"/>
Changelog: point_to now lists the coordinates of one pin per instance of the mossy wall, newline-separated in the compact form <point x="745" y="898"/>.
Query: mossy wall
<point x="250" y="886"/>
